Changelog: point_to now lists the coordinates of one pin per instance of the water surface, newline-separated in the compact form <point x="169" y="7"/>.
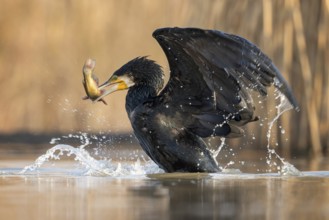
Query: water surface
<point x="68" y="189"/>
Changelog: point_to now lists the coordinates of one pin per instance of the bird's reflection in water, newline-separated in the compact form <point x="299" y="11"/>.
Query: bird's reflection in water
<point x="200" y="196"/>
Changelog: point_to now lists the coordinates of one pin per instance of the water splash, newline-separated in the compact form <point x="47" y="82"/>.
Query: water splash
<point x="286" y="168"/>
<point x="94" y="153"/>
<point x="225" y="166"/>
<point x="220" y="147"/>
<point x="92" y="166"/>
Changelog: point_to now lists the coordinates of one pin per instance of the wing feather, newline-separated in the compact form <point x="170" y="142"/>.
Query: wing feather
<point x="211" y="75"/>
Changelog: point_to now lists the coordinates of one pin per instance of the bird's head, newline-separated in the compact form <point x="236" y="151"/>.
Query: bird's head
<point x="137" y="72"/>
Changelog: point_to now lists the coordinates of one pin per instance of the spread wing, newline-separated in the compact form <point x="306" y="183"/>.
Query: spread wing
<point x="211" y="76"/>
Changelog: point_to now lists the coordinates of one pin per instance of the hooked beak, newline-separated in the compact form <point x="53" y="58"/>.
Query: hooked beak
<point x="116" y="83"/>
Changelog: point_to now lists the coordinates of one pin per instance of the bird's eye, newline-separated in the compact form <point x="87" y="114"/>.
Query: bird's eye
<point x="114" y="77"/>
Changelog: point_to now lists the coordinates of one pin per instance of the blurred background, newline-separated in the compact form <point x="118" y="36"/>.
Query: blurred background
<point x="43" y="46"/>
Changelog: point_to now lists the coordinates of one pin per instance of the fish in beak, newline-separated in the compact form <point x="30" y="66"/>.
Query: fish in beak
<point x="90" y="82"/>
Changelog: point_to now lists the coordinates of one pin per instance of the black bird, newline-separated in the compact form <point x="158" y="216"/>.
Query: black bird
<point x="208" y="94"/>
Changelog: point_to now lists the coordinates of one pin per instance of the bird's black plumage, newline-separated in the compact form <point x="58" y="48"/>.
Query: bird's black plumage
<point x="208" y="94"/>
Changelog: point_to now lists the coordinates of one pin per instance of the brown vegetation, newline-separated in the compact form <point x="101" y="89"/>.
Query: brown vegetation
<point x="43" y="45"/>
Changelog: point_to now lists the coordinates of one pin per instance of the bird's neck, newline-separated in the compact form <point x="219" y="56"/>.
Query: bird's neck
<point x="137" y="95"/>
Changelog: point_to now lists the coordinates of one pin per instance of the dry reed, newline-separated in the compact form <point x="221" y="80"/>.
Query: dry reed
<point x="43" y="45"/>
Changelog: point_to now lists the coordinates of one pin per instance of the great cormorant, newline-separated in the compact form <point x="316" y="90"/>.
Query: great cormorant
<point x="208" y="94"/>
